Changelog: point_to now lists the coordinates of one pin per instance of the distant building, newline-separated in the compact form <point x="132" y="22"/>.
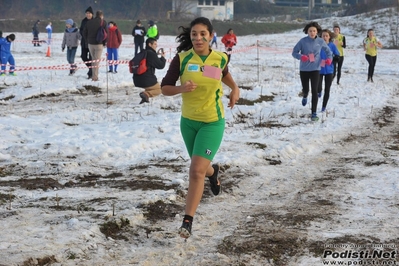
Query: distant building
<point x="305" y="3"/>
<point x="212" y="9"/>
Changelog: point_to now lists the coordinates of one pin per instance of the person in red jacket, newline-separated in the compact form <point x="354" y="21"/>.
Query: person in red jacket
<point x="113" y="43"/>
<point x="229" y="40"/>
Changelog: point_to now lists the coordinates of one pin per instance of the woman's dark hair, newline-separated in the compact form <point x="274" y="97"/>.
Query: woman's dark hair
<point x="99" y="13"/>
<point x="184" y="38"/>
<point x="229" y="30"/>
<point x="312" y="24"/>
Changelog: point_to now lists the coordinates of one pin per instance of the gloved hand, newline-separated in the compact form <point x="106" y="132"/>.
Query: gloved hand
<point x="63" y="49"/>
<point x="304" y="58"/>
<point x="328" y="61"/>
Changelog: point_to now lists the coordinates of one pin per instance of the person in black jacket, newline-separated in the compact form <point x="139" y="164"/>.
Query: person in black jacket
<point x="148" y="80"/>
<point x="85" y="53"/>
<point x="35" y="32"/>
<point x="138" y="33"/>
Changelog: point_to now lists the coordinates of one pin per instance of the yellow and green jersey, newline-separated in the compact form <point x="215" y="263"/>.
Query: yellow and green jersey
<point x="340" y="43"/>
<point x="205" y="102"/>
<point x="371" y="46"/>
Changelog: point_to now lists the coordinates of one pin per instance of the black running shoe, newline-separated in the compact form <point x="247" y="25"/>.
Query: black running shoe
<point x="213" y="180"/>
<point x="185" y="229"/>
<point x="144" y="98"/>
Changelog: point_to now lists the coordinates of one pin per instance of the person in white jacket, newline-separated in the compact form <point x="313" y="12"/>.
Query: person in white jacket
<point x="49" y="29"/>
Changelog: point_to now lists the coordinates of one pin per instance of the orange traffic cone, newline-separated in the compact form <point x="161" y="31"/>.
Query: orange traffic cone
<point x="48" y="54"/>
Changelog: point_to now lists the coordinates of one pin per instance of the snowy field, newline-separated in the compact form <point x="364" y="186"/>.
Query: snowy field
<point x="90" y="177"/>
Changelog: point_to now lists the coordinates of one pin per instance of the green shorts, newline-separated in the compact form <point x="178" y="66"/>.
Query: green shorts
<point x="202" y="139"/>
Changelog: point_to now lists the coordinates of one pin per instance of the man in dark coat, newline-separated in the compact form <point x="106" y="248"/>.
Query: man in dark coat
<point x="85" y="53"/>
<point x="95" y="47"/>
<point x="138" y="33"/>
<point x="148" y="80"/>
<point x="35" y="32"/>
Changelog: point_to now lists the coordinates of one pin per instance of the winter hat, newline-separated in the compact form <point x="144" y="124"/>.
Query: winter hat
<point x="69" y="21"/>
<point x="11" y="37"/>
<point x="89" y="9"/>
<point x="151" y="23"/>
<point x="138" y="21"/>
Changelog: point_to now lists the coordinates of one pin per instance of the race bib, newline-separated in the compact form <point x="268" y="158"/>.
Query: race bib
<point x="212" y="72"/>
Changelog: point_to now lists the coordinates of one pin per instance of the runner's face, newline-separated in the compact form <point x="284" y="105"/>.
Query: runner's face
<point x="336" y="30"/>
<point x="312" y="32"/>
<point x="326" y="37"/>
<point x="371" y="34"/>
<point x="200" y="37"/>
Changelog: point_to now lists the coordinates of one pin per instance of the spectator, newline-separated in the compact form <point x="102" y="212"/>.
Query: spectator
<point x="148" y="80"/>
<point x="214" y="40"/>
<point x="35" y="32"/>
<point x="340" y="43"/>
<point x="370" y="45"/>
<point x="138" y="33"/>
<point x="49" y="29"/>
<point x="152" y="30"/>
<point x="113" y="43"/>
<point x="326" y="71"/>
<point x="85" y="53"/>
<point x="71" y="42"/>
<point x="229" y="40"/>
<point x="6" y="56"/>
<point x="95" y="47"/>
<point x="202" y="121"/>
<point x="308" y="51"/>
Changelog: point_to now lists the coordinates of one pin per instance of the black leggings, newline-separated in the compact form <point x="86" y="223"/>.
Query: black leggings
<point x="328" y="78"/>
<point x="372" y="61"/>
<point x="313" y="76"/>
<point x="337" y="67"/>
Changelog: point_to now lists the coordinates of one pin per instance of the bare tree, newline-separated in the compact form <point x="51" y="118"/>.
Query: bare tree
<point x="181" y="9"/>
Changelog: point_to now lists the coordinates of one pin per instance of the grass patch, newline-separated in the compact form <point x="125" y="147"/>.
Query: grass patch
<point x="262" y="98"/>
<point x="160" y="210"/>
<point x="6" y="198"/>
<point x="115" y="228"/>
<point x="93" y="89"/>
<point x="48" y="260"/>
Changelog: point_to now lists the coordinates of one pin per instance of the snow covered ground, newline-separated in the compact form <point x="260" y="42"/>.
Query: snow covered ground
<point x="90" y="177"/>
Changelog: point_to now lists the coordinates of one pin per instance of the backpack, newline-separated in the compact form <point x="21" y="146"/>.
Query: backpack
<point x="101" y="33"/>
<point x="138" y="65"/>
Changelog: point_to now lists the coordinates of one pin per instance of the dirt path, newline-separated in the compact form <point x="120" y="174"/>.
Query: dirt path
<point x="285" y="218"/>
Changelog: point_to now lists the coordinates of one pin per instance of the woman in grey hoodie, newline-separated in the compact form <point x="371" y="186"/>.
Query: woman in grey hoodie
<point x="308" y="51"/>
<point x="71" y="41"/>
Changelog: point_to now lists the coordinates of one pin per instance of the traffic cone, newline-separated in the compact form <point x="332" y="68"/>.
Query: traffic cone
<point x="48" y="54"/>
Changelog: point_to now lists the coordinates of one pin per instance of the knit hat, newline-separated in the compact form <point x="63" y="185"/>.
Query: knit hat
<point x="69" y="21"/>
<point x="89" y="9"/>
<point x="151" y="23"/>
